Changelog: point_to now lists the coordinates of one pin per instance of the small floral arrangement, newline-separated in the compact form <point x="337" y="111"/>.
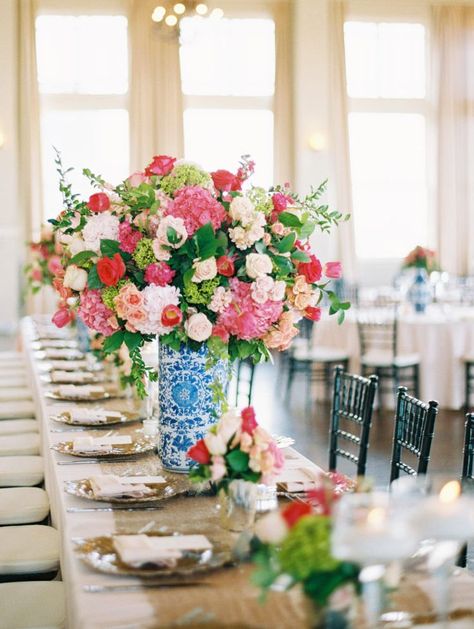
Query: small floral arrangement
<point x="421" y="258"/>
<point x="189" y="256"/>
<point x="236" y="448"/>
<point x="293" y="546"/>
<point x="45" y="264"/>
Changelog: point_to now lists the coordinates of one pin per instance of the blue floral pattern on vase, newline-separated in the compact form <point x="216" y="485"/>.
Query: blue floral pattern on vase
<point x="82" y="334"/>
<point x="187" y="410"/>
<point x="419" y="294"/>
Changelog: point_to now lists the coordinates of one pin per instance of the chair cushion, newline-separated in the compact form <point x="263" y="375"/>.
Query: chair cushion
<point x="17" y="409"/>
<point x="320" y="354"/>
<point x="6" y="356"/>
<point x="16" y="445"/>
<point x="28" y="549"/>
<point x="21" y="471"/>
<point x="15" y="393"/>
<point x="45" y="606"/>
<point x="23" y="505"/>
<point x="17" y="426"/>
<point x="386" y="359"/>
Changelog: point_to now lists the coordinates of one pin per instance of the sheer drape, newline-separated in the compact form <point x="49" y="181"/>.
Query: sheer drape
<point x="454" y="73"/>
<point x="156" y="107"/>
<point x="341" y="184"/>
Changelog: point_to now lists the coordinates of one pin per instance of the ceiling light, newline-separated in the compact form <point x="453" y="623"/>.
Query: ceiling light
<point x="201" y="9"/>
<point x="158" y="14"/>
<point x="217" y="14"/>
<point x="171" y="20"/>
<point x="179" y="8"/>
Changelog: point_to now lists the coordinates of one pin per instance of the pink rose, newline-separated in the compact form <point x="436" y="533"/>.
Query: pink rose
<point x="333" y="270"/>
<point x="161" y="165"/>
<point x="198" y="327"/>
<point x="54" y="265"/>
<point x="37" y="275"/>
<point x="128" y="300"/>
<point x="62" y="317"/>
<point x="136" y="179"/>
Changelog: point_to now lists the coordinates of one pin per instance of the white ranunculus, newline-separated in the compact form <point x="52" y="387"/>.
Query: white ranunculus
<point x="258" y="265"/>
<point x="198" y="327"/>
<point x="204" y="270"/>
<point x="241" y="209"/>
<point x="272" y="528"/>
<point x="215" y="444"/>
<point x="76" y="245"/>
<point x="229" y="424"/>
<point x="75" y="278"/>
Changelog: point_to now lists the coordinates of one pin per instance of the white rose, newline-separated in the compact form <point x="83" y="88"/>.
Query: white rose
<point x="75" y="278"/>
<point x="198" y="327"/>
<point x="229" y="424"/>
<point x="175" y="223"/>
<point x="242" y="210"/>
<point x="76" y="245"/>
<point x="215" y="444"/>
<point x="258" y="265"/>
<point x="272" y="528"/>
<point x="204" y="270"/>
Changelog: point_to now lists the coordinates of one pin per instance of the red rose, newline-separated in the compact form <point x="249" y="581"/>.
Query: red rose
<point x="98" y="202"/>
<point x="313" y="313"/>
<point x="225" y="181"/>
<point x="333" y="270"/>
<point x="225" y="266"/>
<point x="161" y="165"/>
<point x="111" y="270"/>
<point x="62" y="317"/>
<point x="171" y="316"/>
<point x="199" y="453"/>
<point x="249" y="423"/>
<point x="312" y="270"/>
<point x="295" y="511"/>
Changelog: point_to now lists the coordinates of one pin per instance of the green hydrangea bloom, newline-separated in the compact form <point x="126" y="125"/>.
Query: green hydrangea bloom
<point x="261" y="200"/>
<point x="201" y="293"/>
<point x="109" y="293"/>
<point x="185" y="175"/>
<point x="143" y="254"/>
<point x="307" y="548"/>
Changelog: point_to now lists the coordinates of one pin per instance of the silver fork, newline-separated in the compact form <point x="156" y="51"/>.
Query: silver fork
<point x="110" y="509"/>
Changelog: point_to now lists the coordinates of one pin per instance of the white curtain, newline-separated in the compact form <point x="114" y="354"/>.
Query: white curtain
<point x="156" y="107"/>
<point x="453" y="45"/>
<point x="342" y="184"/>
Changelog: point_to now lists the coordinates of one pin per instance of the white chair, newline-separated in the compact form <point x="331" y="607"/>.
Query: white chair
<point x="18" y="426"/>
<point x="32" y="605"/>
<point x="30" y="550"/>
<point x="19" y="409"/>
<point x="17" y="379"/>
<point x="12" y="394"/>
<point x="21" y="471"/>
<point x="20" y="445"/>
<point x="23" y="505"/>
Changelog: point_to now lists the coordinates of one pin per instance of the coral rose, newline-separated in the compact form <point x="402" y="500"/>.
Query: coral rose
<point x="199" y="453"/>
<point x="111" y="270"/>
<point x="161" y="165"/>
<point x="98" y="202"/>
<point x="312" y="270"/>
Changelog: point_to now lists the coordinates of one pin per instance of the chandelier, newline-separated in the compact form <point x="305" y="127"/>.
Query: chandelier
<point x="168" y="14"/>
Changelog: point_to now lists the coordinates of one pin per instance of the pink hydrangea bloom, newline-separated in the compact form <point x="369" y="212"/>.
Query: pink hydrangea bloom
<point x="244" y="318"/>
<point x="196" y="206"/>
<point x="128" y="237"/>
<point x="159" y="273"/>
<point x="95" y="313"/>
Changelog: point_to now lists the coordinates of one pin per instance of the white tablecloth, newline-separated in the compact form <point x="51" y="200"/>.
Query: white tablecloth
<point x="441" y="338"/>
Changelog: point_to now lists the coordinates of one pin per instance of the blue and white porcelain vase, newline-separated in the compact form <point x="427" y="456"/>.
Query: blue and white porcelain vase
<point x="419" y="294"/>
<point x="82" y="334"/>
<point x="185" y="397"/>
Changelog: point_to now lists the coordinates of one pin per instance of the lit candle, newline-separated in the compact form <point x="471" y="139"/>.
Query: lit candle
<point x="150" y="427"/>
<point x="447" y="516"/>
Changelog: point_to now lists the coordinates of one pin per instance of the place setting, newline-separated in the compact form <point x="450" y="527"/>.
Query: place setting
<point x="95" y="417"/>
<point x="113" y="447"/>
<point x="83" y="392"/>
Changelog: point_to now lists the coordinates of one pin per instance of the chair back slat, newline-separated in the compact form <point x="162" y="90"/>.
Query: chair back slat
<point x="468" y="452"/>
<point x="413" y="432"/>
<point x="353" y="402"/>
<point x="377" y="329"/>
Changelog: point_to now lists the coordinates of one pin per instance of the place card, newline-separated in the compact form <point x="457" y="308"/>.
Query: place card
<point x="299" y="479"/>
<point x="102" y="444"/>
<point x="92" y="415"/>
<point x="75" y="391"/>
<point x="136" y="550"/>
<point x="110" y="485"/>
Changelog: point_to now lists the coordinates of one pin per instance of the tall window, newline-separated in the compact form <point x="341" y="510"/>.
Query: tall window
<point x="83" y="84"/>
<point x="388" y="121"/>
<point x="228" y="82"/>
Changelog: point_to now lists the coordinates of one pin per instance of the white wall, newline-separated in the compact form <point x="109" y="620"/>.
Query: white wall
<point x="11" y="233"/>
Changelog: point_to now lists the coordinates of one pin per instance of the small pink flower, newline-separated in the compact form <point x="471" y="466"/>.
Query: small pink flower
<point x="196" y="206"/>
<point x="54" y="265"/>
<point x="221" y="332"/>
<point x="37" y="275"/>
<point x="128" y="237"/>
<point x="159" y="273"/>
<point x="136" y="179"/>
<point x="278" y="229"/>
<point x="333" y="270"/>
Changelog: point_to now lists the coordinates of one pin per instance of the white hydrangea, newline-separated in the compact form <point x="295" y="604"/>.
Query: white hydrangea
<point x="242" y="210"/>
<point x="155" y="299"/>
<point x="100" y="226"/>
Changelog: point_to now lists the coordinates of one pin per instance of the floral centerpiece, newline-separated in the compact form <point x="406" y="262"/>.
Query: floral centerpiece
<point x="215" y="271"/>
<point x="293" y="547"/>
<point x="421" y="258"/>
<point x="45" y="260"/>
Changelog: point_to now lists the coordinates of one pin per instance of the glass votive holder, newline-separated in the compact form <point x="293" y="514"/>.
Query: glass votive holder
<point x="150" y="427"/>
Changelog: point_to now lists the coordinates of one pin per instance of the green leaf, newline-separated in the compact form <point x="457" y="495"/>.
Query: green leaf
<point x="93" y="280"/>
<point x="307" y="229"/>
<point x="81" y="257"/>
<point x="133" y="340"/>
<point x="187" y="277"/>
<point x="222" y="242"/>
<point x="287" y="243"/>
<point x="109" y="247"/>
<point x="341" y="316"/>
<point x="238" y="460"/>
<point x="171" y="340"/>
<point x="283" y="264"/>
<point x="289" y="220"/>
<point x="300" y="256"/>
<point x="113" y="343"/>
<point x="172" y="236"/>
<point x="206" y="241"/>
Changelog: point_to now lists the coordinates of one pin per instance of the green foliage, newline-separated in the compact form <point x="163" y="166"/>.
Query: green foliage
<point x="287" y="243"/>
<point x="143" y="254"/>
<point x="113" y="342"/>
<point x="200" y="293"/>
<point x="93" y="280"/>
<point x="96" y="180"/>
<point x="69" y="198"/>
<point x="82" y="257"/>
<point x="184" y="175"/>
<point x="219" y="397"/>
<point x="109" y="293"/>
<point x="337" y="307"/>
<point x="109" y="248"/>
<point x="206" y="242"/>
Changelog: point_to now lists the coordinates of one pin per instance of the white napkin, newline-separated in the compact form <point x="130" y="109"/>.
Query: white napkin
<point x="61" y="353"/>
<point x="92" y="415"/>
<point x="84" y="390"/>
<point x="69" y="365"/>
<point x="98" y="444"/>
<point x="300" y="478"/>
<point x="136" y="550"/>
<point x="110" y="485"/>
<point x="71" y="376"/>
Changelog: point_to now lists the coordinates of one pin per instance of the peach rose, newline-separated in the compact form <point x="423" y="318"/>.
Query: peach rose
<point x="198" y="327"/>
<point x="204" y="270"/>
<point x="128" y="300"/>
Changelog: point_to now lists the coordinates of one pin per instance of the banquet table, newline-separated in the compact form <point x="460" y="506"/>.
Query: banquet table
<point x="441" y="336"/>
<point x="225" y="598"/>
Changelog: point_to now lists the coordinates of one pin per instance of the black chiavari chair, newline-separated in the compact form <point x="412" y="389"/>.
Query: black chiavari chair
<point x="352" y="405"/>
<point x="413" y="434"/>
<point x="467" y="477"/>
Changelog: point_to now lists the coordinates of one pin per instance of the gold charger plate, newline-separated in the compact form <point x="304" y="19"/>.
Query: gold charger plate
<point x="174" y="486"/>
<point x="127" y="418"/>
<point x="90" y="379"/>
<point x="53" y="344"/>
<point x="57" y="354"/>
<point x="139" y="446"/>
<point x="54" y="394"/>
<point x="99" y="553"/>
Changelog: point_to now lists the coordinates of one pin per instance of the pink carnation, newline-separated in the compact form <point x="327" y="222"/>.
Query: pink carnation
<point x="159" y="273"/>
<point x="196" y="206"/>
<point x="95" y="313"/>
<point x="128" y="237"/>
<point x="244" y="318"/>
